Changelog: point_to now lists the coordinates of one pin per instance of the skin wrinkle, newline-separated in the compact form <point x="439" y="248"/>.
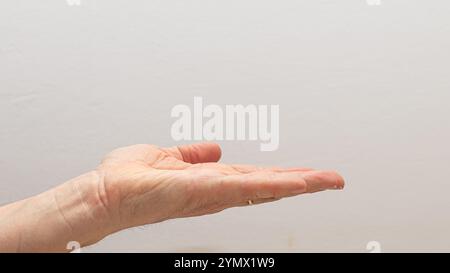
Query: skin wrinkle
<point x="101" y="191"/>
<point x="119" y="200"/>
<point x="139" y="200"/>
<point x="161" y="157"/>
<point x="193" y="194"/>
<point x="189" y="195"/>
<point x="167" y="161"/>
<point x="83" y="201"/>
<point x="182" y="156"/>
<point x="305" y="185"/>
<point x="60" y="211"/>
<point x="149" y="155"/>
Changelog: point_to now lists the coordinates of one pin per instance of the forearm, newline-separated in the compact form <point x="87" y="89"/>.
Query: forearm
<point x="73" y="211"/>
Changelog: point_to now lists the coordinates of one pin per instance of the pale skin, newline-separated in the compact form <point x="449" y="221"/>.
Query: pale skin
<point x="145" y="184"/>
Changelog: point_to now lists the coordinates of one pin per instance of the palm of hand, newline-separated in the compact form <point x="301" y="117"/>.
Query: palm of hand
<point x="144" y="184"/>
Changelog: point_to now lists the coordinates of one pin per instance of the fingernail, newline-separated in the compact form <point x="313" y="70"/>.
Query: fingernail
<point x="338" y="187"/>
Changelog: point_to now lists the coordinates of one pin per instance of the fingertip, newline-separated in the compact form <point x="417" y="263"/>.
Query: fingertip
<point x="324" y="180"/>
<point x="202" y="152"/>
<point x="340" y="183"/>
<point x="215" y="150"/>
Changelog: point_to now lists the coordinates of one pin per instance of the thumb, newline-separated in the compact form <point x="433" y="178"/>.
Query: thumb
<point x="196" y="153"/>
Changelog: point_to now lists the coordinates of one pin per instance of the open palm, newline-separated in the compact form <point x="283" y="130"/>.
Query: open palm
<point x="144" y="184"/>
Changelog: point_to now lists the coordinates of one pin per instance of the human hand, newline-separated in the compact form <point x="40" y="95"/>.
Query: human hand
<point x="144" y="184"/>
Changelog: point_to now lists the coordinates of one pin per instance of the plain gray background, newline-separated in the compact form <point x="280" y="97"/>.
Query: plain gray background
<point x="362" y="89"/>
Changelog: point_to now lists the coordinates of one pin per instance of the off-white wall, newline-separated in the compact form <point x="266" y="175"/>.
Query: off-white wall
<point x="362" y="89"/>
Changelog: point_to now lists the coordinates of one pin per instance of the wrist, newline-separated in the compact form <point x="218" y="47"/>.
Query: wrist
<point x="74" y="211"/>
<point x="83" y="206"/>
